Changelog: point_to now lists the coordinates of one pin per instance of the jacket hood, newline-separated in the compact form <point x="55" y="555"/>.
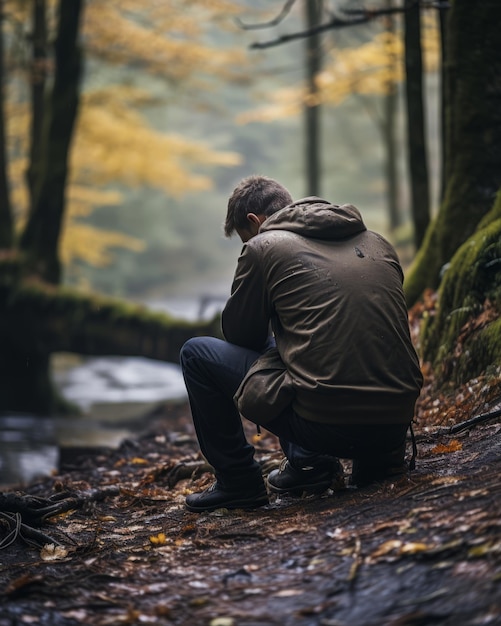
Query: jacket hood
<point x="316" y="218"/>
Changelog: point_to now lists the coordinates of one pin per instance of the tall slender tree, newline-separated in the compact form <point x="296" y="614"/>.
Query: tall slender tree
<point x="312" y="110"/>
<point x="389" y="124"/>
<point x="38" y="83"/>
<point x="415" y="103"/>
<point x="6" y="226"/>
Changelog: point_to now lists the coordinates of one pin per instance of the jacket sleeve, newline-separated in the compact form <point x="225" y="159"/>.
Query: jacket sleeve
<point x="246" y="316"/>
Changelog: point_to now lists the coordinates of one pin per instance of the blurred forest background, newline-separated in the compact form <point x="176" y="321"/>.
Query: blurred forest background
<point x="177" y="107"/>
<point x="125" y="125"/>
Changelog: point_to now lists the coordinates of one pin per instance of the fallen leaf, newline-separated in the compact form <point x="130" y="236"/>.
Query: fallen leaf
<point x="222" y="621"/>
<point x="19" y="583"/>
<point x="288" y="593"/>
<point x="413" y="547"/>
<point x="50" y="552"/>
<point x="452" y="446"/>
<point x="139" y="461"/>
<point x="398" y="547"/>
<point x="158" y="540"/>
<point x="490" y="547"/>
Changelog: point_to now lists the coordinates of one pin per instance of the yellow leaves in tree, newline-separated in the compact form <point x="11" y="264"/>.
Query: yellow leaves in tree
<point x="92" y="245"/>
<point x="370" y="69"/>
<point x="135" y="32"/>
<point x="115" y="144"/>
<point x="366" y="69"/>
<point x="283" y="103"/>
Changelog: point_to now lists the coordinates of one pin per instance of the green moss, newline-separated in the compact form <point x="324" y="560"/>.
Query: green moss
<point x="77" y="304"/>
<point x="473" y="278"/>
<point x="481" y="354"/>
<point x="494" y="213"/>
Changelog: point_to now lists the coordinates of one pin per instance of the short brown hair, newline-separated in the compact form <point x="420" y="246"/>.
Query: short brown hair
<point x="255" y="194"/>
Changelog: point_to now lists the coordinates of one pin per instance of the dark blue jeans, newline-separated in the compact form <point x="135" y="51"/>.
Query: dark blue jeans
<point x="213" y="370"/>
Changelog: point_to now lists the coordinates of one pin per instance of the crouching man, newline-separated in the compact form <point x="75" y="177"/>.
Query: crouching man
<point x="337" y="376"/>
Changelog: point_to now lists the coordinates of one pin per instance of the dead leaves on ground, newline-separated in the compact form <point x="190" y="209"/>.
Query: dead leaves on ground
<point x="452" y="446"/>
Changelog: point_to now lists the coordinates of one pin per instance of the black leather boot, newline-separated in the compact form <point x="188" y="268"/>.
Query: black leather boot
<point x="217" y="497"/>
<point x="288" y="479"/>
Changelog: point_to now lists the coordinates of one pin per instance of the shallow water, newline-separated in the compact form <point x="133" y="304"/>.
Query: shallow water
<point x="28" y="448"/>
<point x="114" y="395"/>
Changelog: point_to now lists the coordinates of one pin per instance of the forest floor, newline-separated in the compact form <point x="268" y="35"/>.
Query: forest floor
<point x="425" y="549"/>
<point x="107" y="541"/>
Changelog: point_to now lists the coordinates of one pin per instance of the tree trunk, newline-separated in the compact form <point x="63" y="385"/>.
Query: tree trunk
<point x="389" y="136"/>
<point x="6" y="227"/>
<point x="473" y="138"/>
<point x="38" y="80"/>
<point x="40" y="239"/>
<point x="443" y="12"/>
<point x="313" y="14"/>
<point x="418" y="167"/>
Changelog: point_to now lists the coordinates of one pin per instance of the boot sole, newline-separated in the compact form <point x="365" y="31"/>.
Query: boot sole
<point x="298" y="490"/>
<point x="233" y="504"/>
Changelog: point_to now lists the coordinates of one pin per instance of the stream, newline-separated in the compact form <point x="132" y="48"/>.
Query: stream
<point x="114" y="394"/>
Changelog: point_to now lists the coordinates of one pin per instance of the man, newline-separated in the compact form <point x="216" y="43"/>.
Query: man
<point x="337" y="377"/>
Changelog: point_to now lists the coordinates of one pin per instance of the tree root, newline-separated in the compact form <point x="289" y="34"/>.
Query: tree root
<point x="20" y="513"/>
<point x="192" y="469"/>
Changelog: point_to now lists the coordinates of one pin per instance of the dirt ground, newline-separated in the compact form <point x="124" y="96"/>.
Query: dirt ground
<point x="425" y="549"/>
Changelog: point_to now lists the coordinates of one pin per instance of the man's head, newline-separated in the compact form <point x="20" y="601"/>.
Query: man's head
<point x="253" y="200"/>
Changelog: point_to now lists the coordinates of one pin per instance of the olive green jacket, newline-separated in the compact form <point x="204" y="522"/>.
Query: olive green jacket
<point x="332" y="292"/>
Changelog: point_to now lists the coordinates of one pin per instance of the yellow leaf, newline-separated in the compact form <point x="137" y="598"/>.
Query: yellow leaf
<point x="397" y="548"/>
<point x="414" y="547"/>
<point x="158" y="540"/>
<point x="137" y="460"/>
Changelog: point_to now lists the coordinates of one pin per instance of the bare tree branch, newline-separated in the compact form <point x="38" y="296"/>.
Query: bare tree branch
<point x="274" y="22"/>
<point x="351" y="17"/>
<point x="360" y="17"/>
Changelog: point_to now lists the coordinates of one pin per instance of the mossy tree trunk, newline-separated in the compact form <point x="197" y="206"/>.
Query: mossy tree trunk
<point x="463" y="339"/>
<point x="473" y="138"/>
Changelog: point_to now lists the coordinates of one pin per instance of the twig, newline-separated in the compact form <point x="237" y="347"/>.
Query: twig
<point x="352" y="19"/>
<point x="273" y="22"/>
<point x="473" y="421"/>
<point x="357" y="560"/>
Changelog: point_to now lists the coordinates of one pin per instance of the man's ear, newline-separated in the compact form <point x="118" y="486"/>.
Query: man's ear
<point x="257" y="220"/>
